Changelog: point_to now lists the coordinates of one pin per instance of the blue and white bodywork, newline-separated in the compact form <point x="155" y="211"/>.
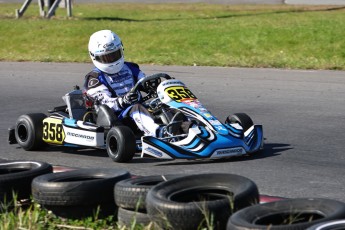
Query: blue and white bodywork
<point x="207" y="138"/>
<point x="191" y="131"/>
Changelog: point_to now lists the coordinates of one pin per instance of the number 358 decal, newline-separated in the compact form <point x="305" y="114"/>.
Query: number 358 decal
<point x="178" y="93"/>
<point x="53" y="131"/>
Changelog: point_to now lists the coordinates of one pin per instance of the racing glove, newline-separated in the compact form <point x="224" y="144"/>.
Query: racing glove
<point x="129" y="99"/>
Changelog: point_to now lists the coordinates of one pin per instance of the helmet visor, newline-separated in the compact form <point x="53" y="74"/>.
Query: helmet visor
<point x="109" y="57"/>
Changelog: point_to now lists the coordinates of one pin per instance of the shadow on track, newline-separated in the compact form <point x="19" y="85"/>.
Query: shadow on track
<point x="77" y="151"/>
<point x="271" y="150"/>
<point x="97" y="153"/>
<point x="302" y="10"/>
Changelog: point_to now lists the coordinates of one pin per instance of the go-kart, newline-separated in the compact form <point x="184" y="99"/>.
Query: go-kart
<point x="191" y="131"/>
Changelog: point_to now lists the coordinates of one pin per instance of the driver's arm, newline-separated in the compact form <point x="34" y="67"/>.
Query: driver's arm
<point x="99" y="92"/>
<point x="103" y="96"/>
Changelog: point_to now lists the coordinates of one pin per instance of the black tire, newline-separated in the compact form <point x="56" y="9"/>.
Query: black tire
<point x="131" y="193"/>
<point x="16" y="176"/>
<point x="83" y="189"/>
<point x="29" y="131"/>
<point x="329" y="225"/>
<point x="186" y="202"/>
<point x="129" y="217"/>
<point x="121" y="144"/>
<point x="290" y="214"/>
<point x="242" y="118"/>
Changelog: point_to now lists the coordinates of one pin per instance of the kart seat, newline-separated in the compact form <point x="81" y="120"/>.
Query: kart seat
<point x="106" y="116"/>
<point x="75" y="104"/>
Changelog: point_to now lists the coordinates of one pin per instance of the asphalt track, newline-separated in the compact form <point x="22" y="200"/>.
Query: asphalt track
<point x="304" y="2"/>
<point x="171" y="1"/>
<point x="302" y="112"/>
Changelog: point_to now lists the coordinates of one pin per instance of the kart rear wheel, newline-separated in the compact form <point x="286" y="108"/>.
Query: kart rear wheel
<point x="242" y="118"/>
<point x="29" y="131"/>
<point x="121" y="144"/>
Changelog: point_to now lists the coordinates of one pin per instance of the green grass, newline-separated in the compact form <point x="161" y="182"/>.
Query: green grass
<point x="30" y="215"/>
<point x="278" y="36"/>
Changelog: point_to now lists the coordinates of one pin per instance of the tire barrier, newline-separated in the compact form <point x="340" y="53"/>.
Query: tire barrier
<point x="130" y="196"/>
<point x="329" y="225"/>
<point x="128" y="217"/>
<point x="131" y="193"/>
<point x="16" y="178"/>
<point x="189" y="202"/>
<point x="177" y="201"/>
<point x="78" y="193"/>
<point x="289" y="214"/>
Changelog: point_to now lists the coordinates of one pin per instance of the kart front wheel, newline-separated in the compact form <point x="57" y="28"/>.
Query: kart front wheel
<point x="121" y="144"/>
<point x="29" y="131"/>
<point x="242" y="118"/>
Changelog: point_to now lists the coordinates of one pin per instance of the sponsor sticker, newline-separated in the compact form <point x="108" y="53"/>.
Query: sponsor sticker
<point x="93" y="82"/>
<point x="229" y="152"/>
<point x="215" y="122"/>
<point x="83" y="136"/>
<point x="172" y="82"/>
<point x="154" y="151"/>
<point x="80" y="136"/>
<point x="108" y="45"/>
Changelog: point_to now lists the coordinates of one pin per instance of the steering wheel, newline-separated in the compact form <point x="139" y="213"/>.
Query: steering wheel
<point x="149" y="85"/>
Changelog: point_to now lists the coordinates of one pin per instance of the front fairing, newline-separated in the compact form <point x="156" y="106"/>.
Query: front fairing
<point x="176" y="95"/>
<point x="212" y="139"/>
<point x="203" y="143"/>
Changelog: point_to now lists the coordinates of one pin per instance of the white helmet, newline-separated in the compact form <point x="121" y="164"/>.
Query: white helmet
<point x="106" y="51"/>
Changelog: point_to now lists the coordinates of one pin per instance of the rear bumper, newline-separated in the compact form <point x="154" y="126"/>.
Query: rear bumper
<point x="11" y="136"/>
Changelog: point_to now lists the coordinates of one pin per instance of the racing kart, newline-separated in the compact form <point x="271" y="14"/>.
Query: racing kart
<point x="191" y="131"/>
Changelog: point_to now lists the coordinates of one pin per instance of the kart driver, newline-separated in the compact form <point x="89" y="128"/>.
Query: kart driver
<point x="112" y="78"/>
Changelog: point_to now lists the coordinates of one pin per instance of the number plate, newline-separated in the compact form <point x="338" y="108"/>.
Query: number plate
<point x="179" y="93"/>
<point x="53" y="131"/>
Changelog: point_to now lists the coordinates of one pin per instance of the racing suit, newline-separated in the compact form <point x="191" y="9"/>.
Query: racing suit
<point x="109" y="88"/>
